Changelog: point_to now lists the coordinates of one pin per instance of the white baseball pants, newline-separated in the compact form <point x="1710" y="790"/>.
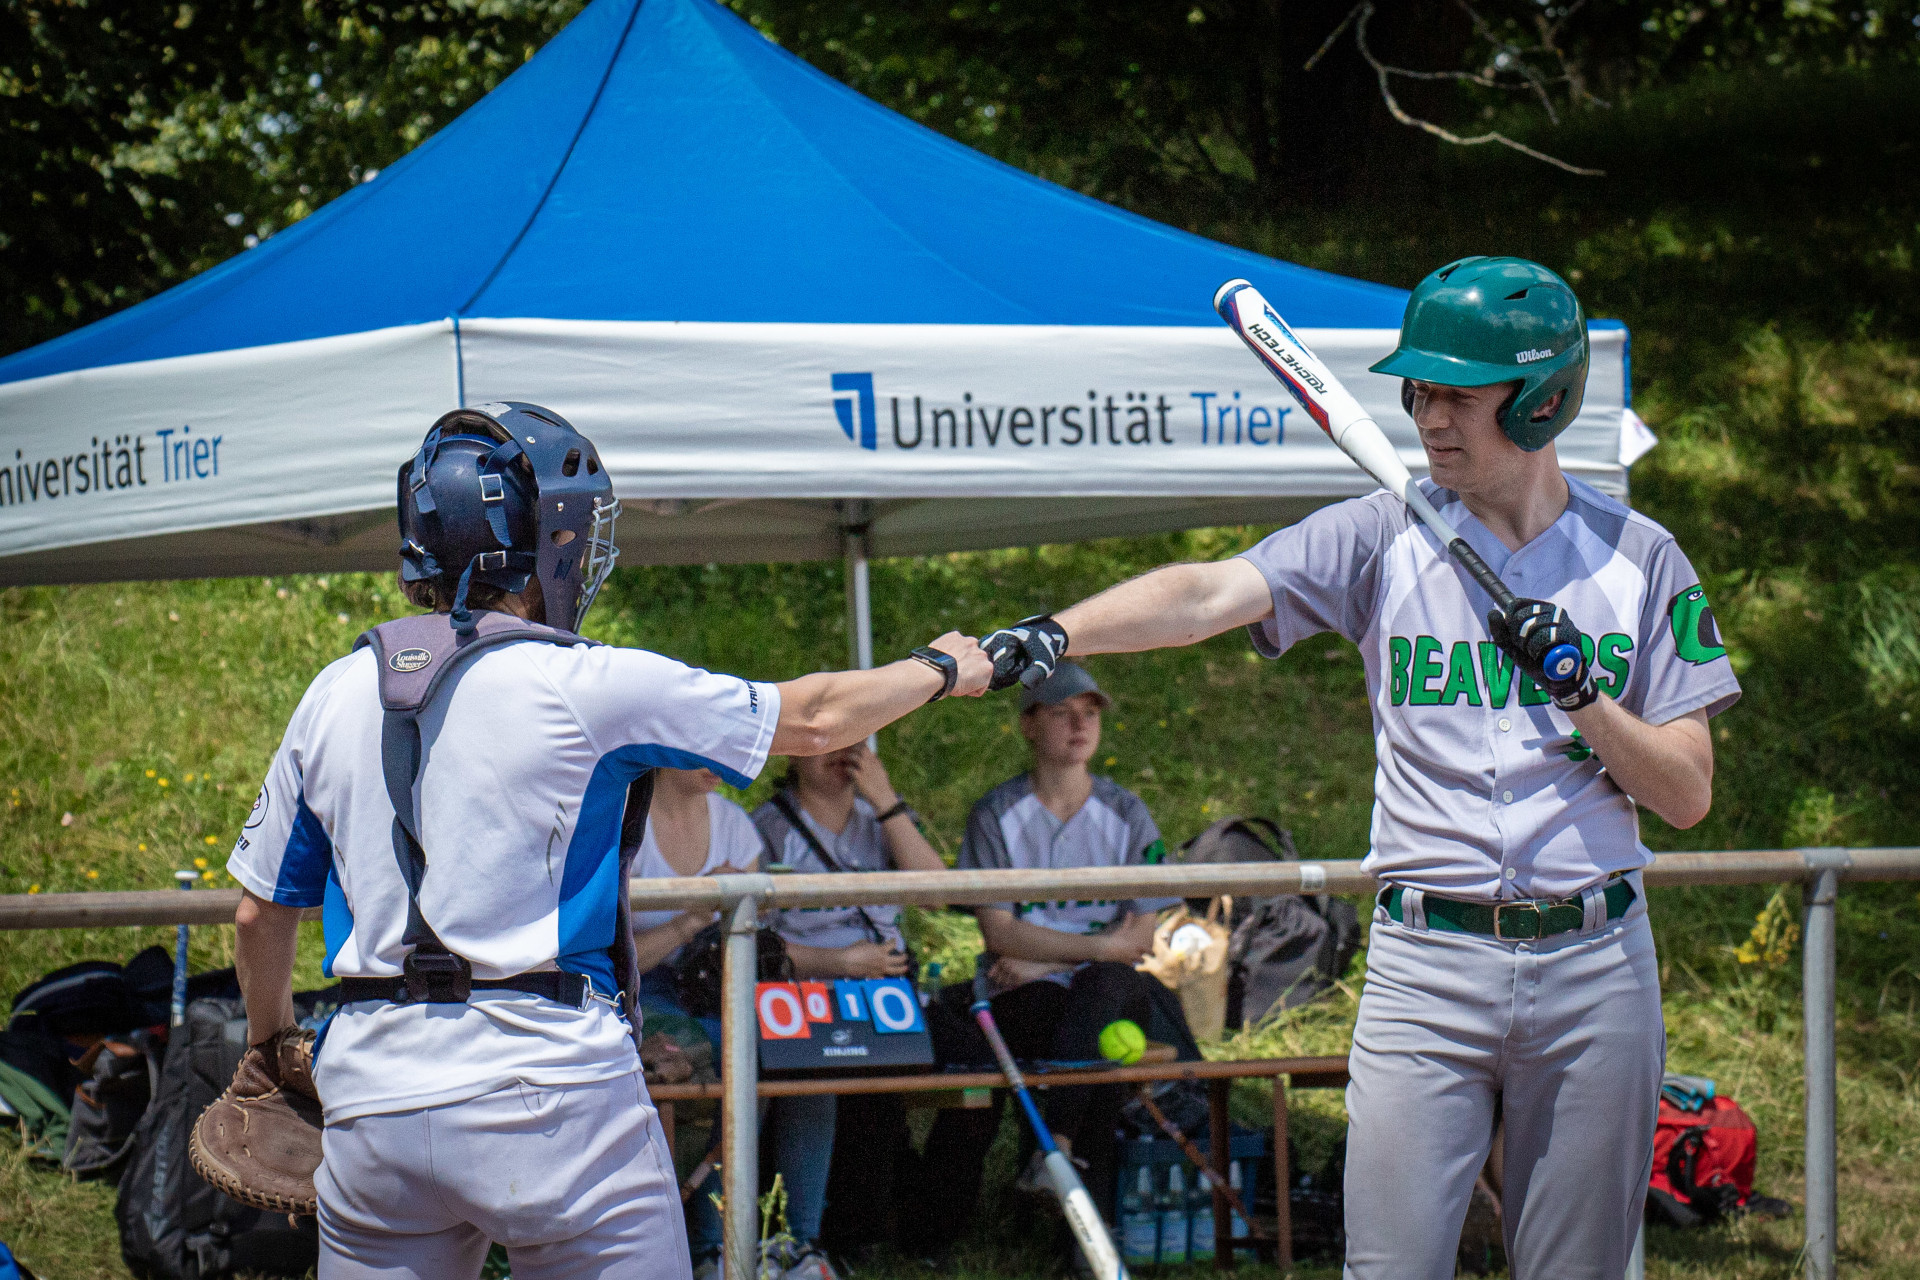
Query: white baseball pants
<point x="574" y="1180"/>
<point x="1566" y="1032"/>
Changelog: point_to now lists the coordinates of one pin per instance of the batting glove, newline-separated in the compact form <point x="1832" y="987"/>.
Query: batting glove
<point x="1026" y="652"/>
<point x="1534" y="632"/>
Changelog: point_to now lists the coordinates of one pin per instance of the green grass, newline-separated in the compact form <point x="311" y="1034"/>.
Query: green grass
<point x="106" y="691"/>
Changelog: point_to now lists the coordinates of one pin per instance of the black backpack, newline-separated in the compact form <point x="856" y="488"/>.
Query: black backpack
<point x="1286" y="949"/>
<point x="108" y="1104"/>
<point x="173" y="1226"/>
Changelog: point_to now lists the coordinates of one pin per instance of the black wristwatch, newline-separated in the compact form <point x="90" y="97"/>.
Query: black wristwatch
<point x="899" y="807"/>
<point x="945" y="663"/>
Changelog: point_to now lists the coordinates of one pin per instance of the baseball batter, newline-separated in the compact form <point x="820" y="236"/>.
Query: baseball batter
<point x="463" y="796"/>
<point x="1510" y="964"/>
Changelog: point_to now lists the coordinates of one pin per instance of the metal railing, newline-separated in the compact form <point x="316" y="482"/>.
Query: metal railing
<point x="743" y="897"/>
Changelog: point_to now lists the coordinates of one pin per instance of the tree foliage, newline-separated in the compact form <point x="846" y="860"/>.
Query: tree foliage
<point x="144" y="143"/>
<point x="1758" y="226"/>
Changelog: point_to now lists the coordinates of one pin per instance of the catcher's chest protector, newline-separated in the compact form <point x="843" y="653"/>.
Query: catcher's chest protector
<point x="421" y="657"/>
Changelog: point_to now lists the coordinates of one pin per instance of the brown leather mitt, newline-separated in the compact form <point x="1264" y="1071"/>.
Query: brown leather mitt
<point x="260" y="1141"/>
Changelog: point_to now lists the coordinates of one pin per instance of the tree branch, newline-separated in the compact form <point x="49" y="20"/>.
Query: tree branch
<point x="1360" y="16"/>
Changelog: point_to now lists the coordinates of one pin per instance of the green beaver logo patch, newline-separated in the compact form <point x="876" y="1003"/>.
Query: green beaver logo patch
<point x="1696" y="637"/>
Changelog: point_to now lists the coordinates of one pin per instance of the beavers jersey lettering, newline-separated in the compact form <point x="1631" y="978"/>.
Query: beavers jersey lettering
<point x="1482" y="790"/>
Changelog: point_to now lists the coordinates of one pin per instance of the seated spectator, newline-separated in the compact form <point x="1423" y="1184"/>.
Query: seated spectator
<point x="1060" y="971"/>
<point x="834" y="813"/>
<point x="691" y="831"/>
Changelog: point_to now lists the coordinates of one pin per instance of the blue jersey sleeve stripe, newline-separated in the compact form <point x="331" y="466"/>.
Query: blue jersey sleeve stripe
<point x="589" y="886"/>
<point x="305" y="863"/>
<point x="336" y="918"/>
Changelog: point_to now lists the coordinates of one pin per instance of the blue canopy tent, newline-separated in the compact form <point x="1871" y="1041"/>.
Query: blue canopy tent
<point x="785" y="313"/>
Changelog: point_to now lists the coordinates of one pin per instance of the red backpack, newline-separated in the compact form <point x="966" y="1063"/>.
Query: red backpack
<point x="1702" y="1162"/>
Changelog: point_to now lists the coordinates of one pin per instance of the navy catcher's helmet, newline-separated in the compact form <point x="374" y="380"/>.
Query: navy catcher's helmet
<point x="499" y="493"/>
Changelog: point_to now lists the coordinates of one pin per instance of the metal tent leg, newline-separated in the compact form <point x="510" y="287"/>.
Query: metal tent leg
<point x="1817" y="965"/>
<point x="740" y="1109"/>
<point x="859" y="599"/>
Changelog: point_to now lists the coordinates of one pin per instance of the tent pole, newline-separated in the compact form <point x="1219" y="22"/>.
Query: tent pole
<point x="859" y="600"/>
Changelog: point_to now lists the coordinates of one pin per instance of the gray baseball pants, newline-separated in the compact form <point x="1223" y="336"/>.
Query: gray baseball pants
<point x="1566" y="1033"/>
<point x="574" y="1180"/>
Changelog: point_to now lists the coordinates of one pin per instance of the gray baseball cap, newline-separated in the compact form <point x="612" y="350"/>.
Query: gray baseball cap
<point x="1068" y="680"/>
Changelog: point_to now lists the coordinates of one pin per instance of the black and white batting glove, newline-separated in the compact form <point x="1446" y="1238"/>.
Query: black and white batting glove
<point x="1538" y="633"/>
<point x="1026" y="652"/>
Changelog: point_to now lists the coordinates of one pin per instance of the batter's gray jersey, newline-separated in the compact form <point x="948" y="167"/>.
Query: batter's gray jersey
<point x="1009" y="827"/>
<point x="1481" y="790"/>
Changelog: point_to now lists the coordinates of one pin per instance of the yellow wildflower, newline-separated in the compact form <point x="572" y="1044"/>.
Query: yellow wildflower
<point x="213" y="839"/>
<point x="200" y="862"/>
<point x="165" y="783"/>
<point x="149" y="773"/>
<point x="93" y="875"/>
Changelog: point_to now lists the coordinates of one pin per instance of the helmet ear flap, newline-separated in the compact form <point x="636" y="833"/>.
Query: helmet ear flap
<point x="1505" y="415"/>
<point x="1406" y="395"/>
<point x="1517" y="419"/>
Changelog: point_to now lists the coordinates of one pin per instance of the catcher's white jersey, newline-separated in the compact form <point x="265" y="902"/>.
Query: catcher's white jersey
<point x="524" y="775"/>
<point x="1481" y="790"/>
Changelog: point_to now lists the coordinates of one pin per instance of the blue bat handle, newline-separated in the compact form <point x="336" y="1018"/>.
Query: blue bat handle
<point x="1562" y="661"/>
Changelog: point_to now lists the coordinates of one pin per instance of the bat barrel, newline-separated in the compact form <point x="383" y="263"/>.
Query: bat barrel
<point x="1223" y="295"/>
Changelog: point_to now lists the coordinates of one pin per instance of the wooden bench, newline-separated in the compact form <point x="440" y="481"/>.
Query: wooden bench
<point x="1300" y="1073"/>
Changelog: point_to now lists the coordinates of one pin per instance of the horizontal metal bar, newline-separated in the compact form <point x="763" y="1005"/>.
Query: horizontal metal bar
<point x="1304" y="1073"/>
<point x="960" y="888"/>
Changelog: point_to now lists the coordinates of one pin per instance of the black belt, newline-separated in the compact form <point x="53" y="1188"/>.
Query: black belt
<point x="566" y="988"/>
<point x="1508" y="921"/>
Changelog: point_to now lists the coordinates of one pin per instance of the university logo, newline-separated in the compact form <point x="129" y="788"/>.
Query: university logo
<point x="853" y="405"/>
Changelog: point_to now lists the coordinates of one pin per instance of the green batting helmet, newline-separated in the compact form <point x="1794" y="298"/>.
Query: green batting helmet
<point x="1482" y="320"/>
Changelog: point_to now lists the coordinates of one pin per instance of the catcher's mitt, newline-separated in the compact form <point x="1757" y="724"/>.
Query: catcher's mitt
<point x="260" y="1141"/>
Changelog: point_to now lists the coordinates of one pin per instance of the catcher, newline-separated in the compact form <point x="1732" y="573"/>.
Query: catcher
<point x="463" y="796"/>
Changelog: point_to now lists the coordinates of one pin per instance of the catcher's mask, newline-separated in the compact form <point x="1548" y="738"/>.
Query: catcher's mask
<point x="499" y="493"/>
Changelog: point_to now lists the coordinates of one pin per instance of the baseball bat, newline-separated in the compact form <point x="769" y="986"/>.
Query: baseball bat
<point x="1089" y="1232"/>
<point x="1357" y="435"/>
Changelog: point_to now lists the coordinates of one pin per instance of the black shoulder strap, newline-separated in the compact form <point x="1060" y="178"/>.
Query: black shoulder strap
<point x="419" y="656"/>
<point x="626" y="959"/>
<point x="783" y="801"/>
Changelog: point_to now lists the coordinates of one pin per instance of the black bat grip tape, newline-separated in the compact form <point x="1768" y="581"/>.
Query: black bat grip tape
<point x="1489" y="581"/>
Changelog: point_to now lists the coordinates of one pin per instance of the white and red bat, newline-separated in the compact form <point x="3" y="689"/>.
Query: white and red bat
<point x="1356" y="434"/>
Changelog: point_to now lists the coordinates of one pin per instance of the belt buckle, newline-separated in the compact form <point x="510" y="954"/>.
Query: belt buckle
<point x="1499" y="918"/>
<point x="437" y="977"/>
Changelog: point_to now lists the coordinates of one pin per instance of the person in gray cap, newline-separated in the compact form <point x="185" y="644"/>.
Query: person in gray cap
<point x="1060" y="971"/>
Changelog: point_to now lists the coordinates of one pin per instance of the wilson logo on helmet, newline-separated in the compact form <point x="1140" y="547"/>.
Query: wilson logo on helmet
<point x="1538" y="353"/>
<point x="409" y="660"/>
